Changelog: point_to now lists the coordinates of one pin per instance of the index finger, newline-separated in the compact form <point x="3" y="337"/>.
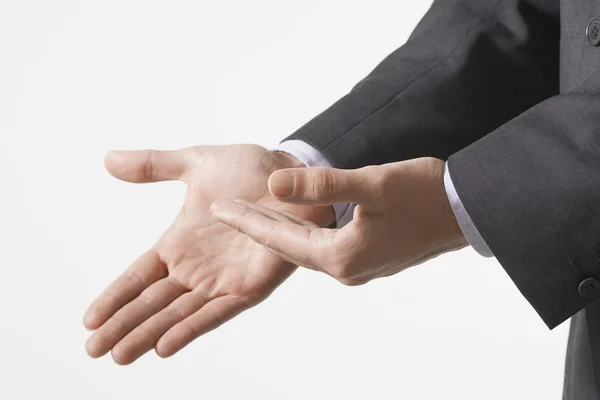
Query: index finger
<point x="306" y="245"/>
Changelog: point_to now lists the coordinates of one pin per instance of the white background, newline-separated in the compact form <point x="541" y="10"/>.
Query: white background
<point x="78" y="78"/>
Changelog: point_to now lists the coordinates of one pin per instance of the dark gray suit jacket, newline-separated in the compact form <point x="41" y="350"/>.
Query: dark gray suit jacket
<point x="508" y="91"/>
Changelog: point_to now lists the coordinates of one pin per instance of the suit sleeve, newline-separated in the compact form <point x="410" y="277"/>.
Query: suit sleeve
<point x="467" y="68"/>
<point x="532" y="188"/>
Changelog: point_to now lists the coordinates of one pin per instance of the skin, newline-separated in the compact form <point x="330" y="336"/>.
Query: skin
<point x="201" y="272"/>
<point x="402" y="219"/>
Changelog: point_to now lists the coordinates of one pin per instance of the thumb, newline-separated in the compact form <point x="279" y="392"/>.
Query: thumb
<point x="141" y="166"/>
<point x="320" y="186"/>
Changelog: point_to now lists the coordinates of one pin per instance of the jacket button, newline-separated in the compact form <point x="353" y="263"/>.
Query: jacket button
<point x="593" y="32"/>
<point x="590" y="288"/>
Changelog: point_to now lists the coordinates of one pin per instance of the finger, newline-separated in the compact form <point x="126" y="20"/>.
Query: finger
<point x="209" y="317"/>
<point x="304" y="245"/>
<point x="148" y="303"/>
<point x="141" y="166"/>
<point x="144" y="271"/>
<point x="322" y="186"/>
<point x="280" y="215"/>
<point x="298" y="220"/>
<point x="274" y="215"/>
<point x="277" y="214"/>
<point x="146" y="335"/>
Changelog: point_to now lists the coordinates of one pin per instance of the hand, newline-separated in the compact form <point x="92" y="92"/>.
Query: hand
<point x="402" y="219"/>
<point x="201" y="272"/>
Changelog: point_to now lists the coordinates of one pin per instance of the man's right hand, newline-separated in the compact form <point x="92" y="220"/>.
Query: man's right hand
<point x="402" y="218"/>
<point x="201" y="272"/>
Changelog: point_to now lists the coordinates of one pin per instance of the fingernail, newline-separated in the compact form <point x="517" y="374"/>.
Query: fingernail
<point x="282" y="183"/>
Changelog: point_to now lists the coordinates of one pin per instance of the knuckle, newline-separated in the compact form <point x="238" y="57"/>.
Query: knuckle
<point x="246" y="223"/>
<point x="352" y="281"/>
<point x="133" y="277"/>
<point x="146" y="334"/>
<point x="177" y="312"/>
<point x="346" y="263"/>
<point x="111" y="299"/>
<point x="383" y="180"/>
<point x="382" y="184"/>
<point x="148" y="302"/>
<point x="249" y="300"/>
<point x="341" y="270"/>
<point x="192" y="152"/>
<point x="148" y="167"/>
<point x="270" y="239"/>
<point x="244" y="220"/>
<point x="322" y="184"/>
<point x="192" y="331"/>
<point x="190" y="156"/>
<point x="118" y="324"/>
<point x="217" y="319"/>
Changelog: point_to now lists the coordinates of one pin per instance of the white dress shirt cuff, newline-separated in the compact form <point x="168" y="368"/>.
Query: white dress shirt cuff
<point x="311" y="157"/>
<point x="462" y="217"/>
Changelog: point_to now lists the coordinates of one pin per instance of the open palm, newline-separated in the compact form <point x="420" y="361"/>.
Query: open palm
<point x="201" y="272"/>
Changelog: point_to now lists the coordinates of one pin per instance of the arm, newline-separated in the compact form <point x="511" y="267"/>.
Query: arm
<point x="532" y="189"/>
<point x="467" y="68"/>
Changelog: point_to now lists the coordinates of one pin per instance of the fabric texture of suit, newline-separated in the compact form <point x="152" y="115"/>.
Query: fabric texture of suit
<point x="508" y="92"/>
